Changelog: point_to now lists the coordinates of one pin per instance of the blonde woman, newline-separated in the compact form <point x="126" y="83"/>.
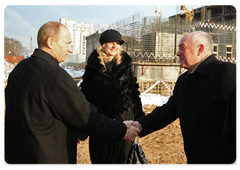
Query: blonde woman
<point x="109" y="83"/>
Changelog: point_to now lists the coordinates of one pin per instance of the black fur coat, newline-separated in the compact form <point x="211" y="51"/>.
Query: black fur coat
<point x="113" y="91"/>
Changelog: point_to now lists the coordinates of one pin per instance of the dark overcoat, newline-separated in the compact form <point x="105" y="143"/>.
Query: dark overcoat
<point x="43" y="109"/>
<point x="200" y="102"/>
<point x="114" y="92"/>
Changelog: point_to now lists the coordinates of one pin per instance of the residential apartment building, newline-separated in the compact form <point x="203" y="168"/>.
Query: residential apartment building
<point x="79" y="32"/>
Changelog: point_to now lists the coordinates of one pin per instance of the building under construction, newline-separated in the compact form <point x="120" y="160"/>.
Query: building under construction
<point x="153" y="36"/>
<point x="153" y="44"/>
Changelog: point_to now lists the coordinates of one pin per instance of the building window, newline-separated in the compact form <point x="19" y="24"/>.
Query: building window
<point x="229" y="51"/>
<point x="215" y="50"/>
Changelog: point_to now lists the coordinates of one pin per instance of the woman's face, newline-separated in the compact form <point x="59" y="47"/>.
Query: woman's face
<point x="111" y="48"/>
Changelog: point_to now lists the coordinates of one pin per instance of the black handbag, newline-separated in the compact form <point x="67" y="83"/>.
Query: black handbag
<point x="136" y="154"/>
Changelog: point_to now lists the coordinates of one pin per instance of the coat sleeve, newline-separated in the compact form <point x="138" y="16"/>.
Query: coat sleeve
<point x="70" y="106"/>
<point x="87" y="86"/>
<point x="228" y="137"/>
<point x="133" y="89"/>
<point x="160" y="116"/>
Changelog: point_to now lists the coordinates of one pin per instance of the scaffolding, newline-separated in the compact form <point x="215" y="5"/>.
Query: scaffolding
<point x="153" y="44"/>
<point x="159" y="40"/>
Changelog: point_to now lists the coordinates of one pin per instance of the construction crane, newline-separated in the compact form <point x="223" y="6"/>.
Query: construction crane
<point x="188" y="15"/>
<point x="158" y="13"/>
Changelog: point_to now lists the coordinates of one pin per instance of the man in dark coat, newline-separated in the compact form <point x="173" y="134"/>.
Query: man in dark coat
<point x="44" y="106"/>
<point x="200" y="101"/>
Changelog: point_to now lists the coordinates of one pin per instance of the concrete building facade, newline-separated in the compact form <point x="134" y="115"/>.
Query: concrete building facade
<point x="92" y="43"/>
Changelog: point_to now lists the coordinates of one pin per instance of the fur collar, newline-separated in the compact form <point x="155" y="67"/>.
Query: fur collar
<point x="94" y="63"/>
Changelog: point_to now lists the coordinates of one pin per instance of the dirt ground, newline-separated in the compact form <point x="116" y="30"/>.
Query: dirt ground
<point x="161" y="147"/>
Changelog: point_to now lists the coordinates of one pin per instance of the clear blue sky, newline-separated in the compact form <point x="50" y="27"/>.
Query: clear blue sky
<point x="21" y="21"/>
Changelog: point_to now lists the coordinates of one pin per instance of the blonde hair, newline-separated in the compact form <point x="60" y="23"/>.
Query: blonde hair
<point x="102" y="56"/>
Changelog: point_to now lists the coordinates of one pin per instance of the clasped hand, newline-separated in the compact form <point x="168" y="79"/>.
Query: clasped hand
<point x="133" y="129"/>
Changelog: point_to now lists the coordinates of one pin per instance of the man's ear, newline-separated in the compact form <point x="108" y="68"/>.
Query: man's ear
<point x="50" y="42"/>
<point x="200" y="49"/>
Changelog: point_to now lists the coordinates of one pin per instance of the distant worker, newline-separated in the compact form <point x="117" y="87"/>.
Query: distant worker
<point x="44" y="106"/>
<point x="204" y="100"/>
<point x="110" y="84"/>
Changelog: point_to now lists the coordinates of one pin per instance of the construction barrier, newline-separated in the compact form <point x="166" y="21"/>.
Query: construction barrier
<point x="155" y="84"/>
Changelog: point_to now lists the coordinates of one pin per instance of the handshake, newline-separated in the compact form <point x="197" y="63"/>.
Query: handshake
<point x="133" y="129"/>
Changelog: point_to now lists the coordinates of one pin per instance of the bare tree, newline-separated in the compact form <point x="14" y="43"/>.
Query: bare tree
<point x="12" y="47"/>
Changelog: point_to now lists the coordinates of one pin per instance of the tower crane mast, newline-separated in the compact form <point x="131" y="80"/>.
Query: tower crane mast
<point x="188" y="14"/>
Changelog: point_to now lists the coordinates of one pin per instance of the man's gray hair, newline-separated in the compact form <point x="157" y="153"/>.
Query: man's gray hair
<point x="201" y="37"/>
